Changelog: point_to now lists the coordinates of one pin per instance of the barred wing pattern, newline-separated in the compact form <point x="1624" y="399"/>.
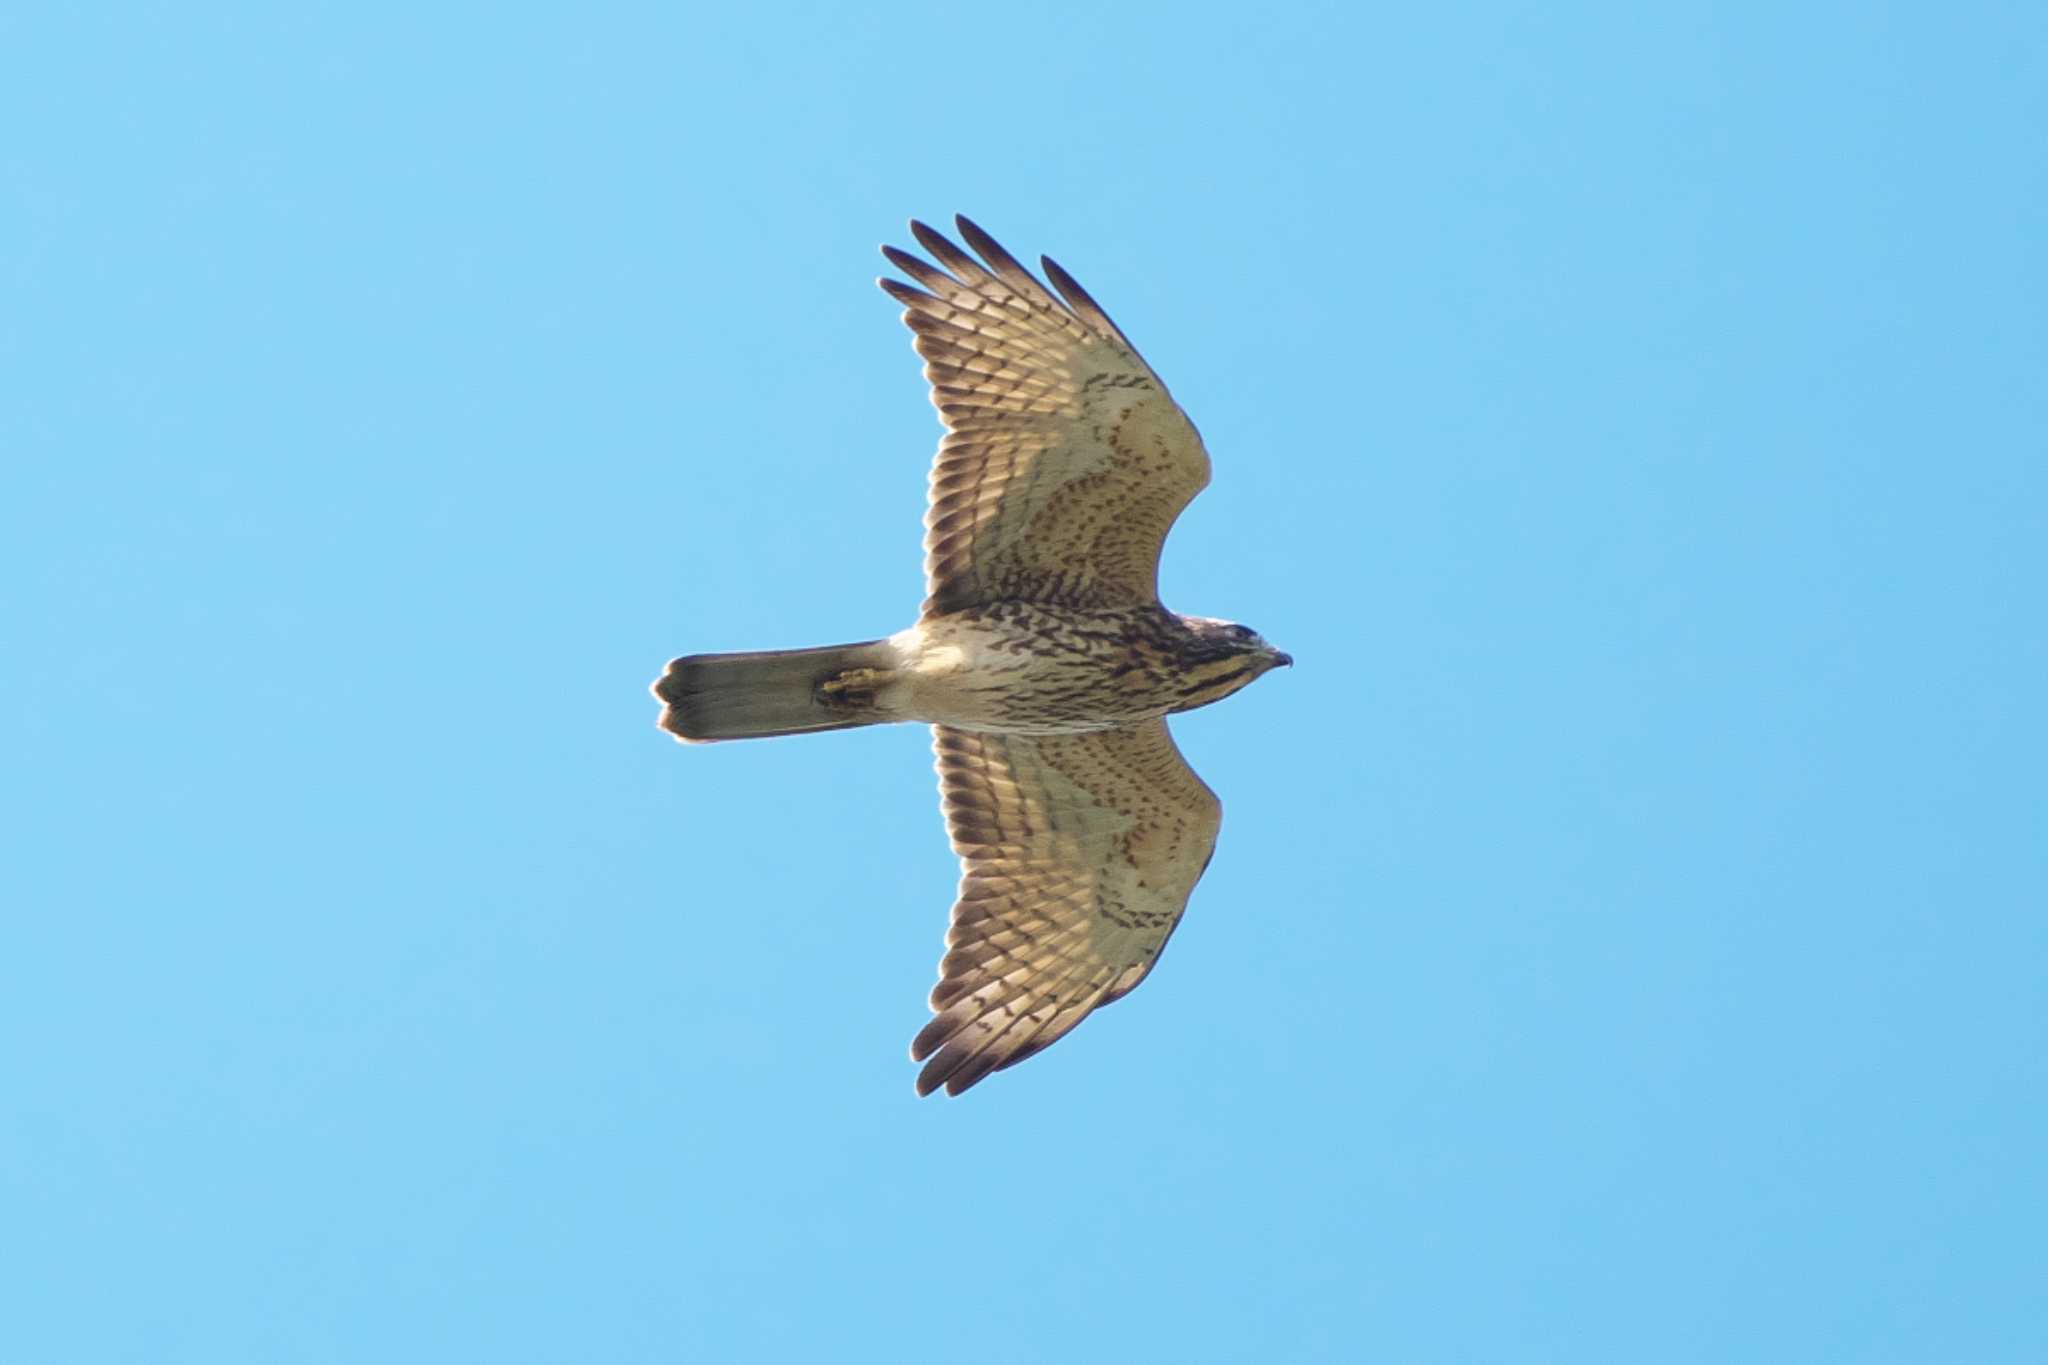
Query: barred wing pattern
<point x="1066" y="460"/>
<point x="1078" y="853"/>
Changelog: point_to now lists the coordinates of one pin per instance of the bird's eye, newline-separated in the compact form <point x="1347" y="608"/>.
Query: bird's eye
<point x="1243" y="632"/>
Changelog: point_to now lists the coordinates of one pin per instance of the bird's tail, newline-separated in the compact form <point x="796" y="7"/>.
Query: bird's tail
<point x="773" y="692"/>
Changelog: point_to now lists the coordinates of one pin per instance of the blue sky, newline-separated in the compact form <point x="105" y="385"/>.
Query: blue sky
<point x="1627" y="938"/>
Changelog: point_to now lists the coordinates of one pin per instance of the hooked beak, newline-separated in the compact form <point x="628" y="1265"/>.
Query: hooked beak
<point x="1282" y="660"/>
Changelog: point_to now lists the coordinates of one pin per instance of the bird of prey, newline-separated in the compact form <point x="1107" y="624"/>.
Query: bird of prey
<point x="1042" y="658"/>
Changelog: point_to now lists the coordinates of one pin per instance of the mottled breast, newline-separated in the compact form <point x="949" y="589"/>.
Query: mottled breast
<point x="1033" y="668"/>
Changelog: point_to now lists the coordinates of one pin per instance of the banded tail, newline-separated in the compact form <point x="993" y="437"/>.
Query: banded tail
<point x="765" y="692"/>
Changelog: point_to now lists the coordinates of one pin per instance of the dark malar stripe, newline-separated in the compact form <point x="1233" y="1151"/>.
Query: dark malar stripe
<point x="1208" y="684"/>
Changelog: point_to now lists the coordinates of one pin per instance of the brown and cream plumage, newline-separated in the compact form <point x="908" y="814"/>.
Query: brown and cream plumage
<point x="1042" y="658"/>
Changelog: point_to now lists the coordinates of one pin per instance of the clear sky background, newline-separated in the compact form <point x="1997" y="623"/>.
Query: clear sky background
<point x="1629" y="935"/>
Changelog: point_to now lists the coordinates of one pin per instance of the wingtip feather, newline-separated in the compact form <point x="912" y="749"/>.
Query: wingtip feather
<point x="942" y="248"/>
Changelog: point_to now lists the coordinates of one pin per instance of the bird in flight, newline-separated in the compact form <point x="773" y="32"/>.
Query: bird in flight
<point x="1042" y="658"/>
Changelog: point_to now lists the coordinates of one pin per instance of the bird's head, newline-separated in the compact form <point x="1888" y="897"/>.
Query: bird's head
<point x="1222" y="656"/>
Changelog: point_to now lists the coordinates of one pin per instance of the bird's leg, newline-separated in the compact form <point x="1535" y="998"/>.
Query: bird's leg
<point x="855" y="689"/>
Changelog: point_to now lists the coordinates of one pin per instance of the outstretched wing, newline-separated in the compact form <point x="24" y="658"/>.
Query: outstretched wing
<point x="1065" y="462"/>
<point x="1077" y="856"/>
